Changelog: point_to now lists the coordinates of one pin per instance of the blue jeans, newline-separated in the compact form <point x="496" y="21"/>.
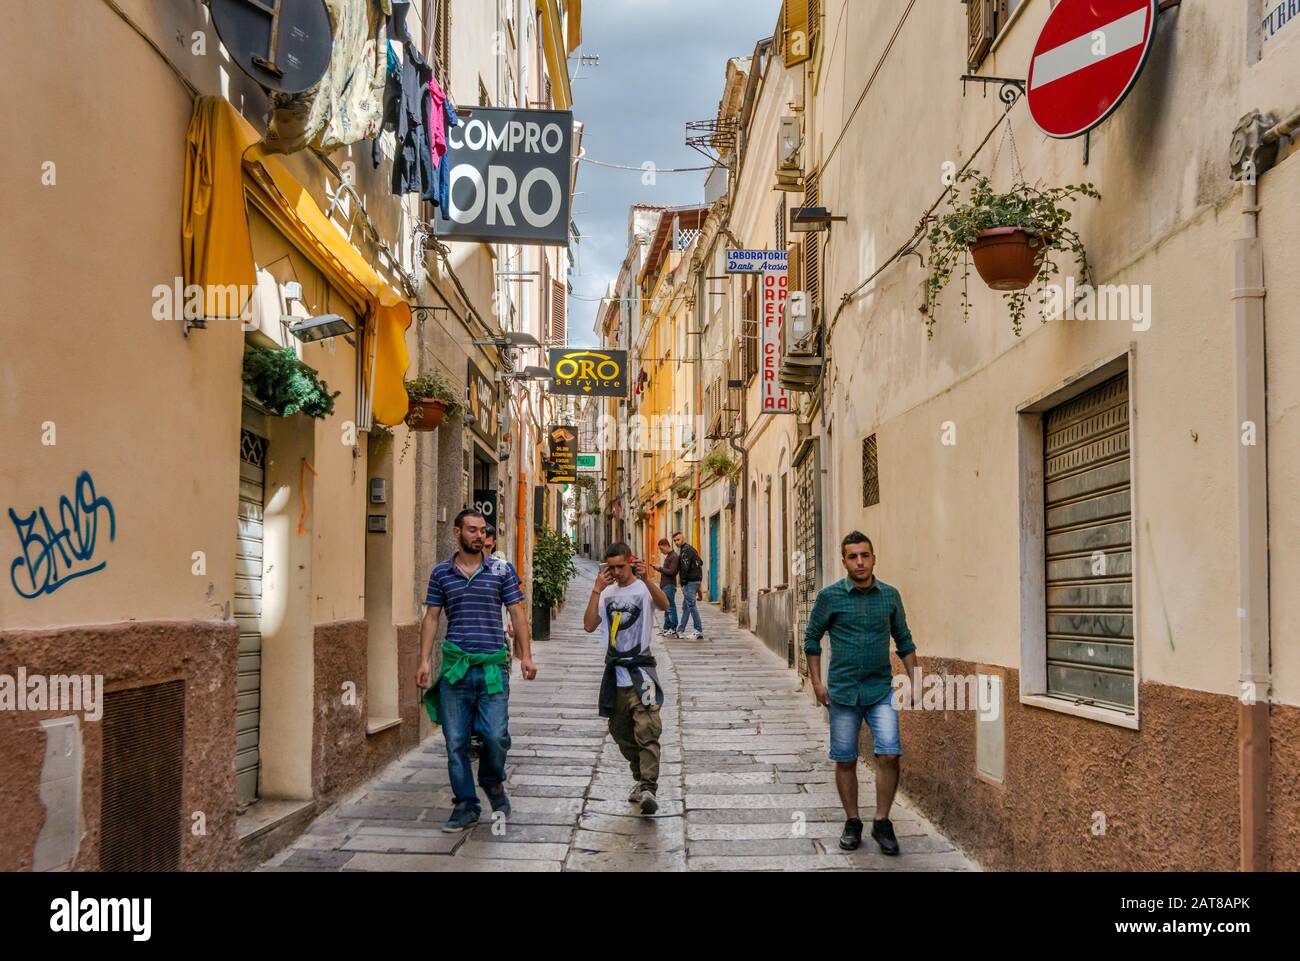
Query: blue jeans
<point x="670" y="615"/>
<point x="689" y="609"/>
<point x="465" y="708"/>
<point x="846" y="723"/>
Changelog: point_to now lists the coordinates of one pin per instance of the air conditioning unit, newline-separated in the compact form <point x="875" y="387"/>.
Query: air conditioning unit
<point x="789" y="151"/>
<point x="798" y="327"/>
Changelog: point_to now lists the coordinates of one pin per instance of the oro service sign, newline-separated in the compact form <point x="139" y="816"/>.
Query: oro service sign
<point x="588" y="373"/>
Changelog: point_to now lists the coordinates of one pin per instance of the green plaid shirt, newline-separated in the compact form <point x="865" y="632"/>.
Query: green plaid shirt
<point x="860" y="621"/>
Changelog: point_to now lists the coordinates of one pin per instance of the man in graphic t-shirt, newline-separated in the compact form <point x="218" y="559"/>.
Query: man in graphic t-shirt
<point x="622" y="607"/>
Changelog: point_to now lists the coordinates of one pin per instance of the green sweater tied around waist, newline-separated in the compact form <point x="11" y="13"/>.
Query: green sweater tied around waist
<point x="456" y="664"/>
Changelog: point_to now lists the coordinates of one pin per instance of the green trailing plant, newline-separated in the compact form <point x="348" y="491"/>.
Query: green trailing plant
<point x="284" y="385"/>
<point x="683" y="489"/>
<point x="553" y="567"/>
<point x="434" y="386"/>
<point x="719" y="462"/>
<point x="1038" y="211"/>
<point x="431" y="386"/>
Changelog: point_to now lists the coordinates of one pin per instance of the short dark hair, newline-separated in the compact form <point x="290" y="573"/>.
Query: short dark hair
<point x="618" y="550"/>
<point x="664" y="540"/>
<point x="467" y="512"/>
<point x="856" y="537"/>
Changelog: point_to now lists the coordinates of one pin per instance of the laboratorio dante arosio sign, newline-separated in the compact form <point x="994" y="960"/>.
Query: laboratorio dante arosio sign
<point x="511" y="172"/>
<point x="589" y="373"/>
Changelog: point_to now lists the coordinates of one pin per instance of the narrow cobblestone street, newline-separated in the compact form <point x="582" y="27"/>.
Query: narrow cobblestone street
<point x="745" y="784"/>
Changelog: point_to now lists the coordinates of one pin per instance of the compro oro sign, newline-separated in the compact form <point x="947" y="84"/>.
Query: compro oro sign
<point x="776" y="292"/>
<point x="510" y="177"/>
<point x="589" y="373"/>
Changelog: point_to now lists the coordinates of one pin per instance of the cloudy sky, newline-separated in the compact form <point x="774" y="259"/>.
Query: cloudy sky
<point x="662" y="63"/>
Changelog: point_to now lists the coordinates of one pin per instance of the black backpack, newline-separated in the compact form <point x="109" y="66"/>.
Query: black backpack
<point x="691" y="568"/>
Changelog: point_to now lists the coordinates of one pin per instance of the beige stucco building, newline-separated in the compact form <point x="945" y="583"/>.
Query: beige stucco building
<point x="248" y="586"/>
<point x="1094" y="514"/>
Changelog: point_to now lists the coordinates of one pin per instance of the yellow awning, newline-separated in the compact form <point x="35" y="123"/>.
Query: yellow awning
<point x="556" y="48"/>
<point x="575" y="24"/>
<point x="224" y="158"/>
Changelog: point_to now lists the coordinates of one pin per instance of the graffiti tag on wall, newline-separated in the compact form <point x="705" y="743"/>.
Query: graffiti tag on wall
<point x="52" y="556"/>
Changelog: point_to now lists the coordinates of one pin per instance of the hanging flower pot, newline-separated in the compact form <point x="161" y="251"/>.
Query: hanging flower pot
<point x="426" y="413"/>
<point x="1007" y="257"/>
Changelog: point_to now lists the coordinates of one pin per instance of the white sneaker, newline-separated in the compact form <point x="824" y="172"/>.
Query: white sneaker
<point x="698" y="636"/>
<point x="635" y="795"/>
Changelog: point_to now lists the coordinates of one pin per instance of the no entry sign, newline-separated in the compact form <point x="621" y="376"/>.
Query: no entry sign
<point x="1087" y="58"/>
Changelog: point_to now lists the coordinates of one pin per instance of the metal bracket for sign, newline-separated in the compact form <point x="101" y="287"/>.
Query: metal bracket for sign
<point x="1010" y="90"/>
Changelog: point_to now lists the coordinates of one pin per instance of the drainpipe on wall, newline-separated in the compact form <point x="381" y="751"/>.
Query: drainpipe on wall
<point x="1254" y="150"/>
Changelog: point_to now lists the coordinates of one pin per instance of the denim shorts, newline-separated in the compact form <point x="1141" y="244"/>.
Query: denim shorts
<point x="846" y="723"/>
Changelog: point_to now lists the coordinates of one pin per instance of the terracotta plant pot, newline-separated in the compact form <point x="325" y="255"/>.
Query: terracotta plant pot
<point x="426" y="413"/>
<point x="720" y="472"/>
<point x="1004" y="257"/>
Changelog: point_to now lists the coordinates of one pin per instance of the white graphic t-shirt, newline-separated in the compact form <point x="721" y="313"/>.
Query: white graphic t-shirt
<point x="627" y="621"/>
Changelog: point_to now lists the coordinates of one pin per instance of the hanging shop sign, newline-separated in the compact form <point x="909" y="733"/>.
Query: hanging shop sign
<point x="511" y="172"/>
<point x="562" y="467"/>
<point x="482" y="404"/>
<point x="284" y="45"/>
<point x="588" y="463"/>
<point x="485" y="502"/>
<point x="776" y="292"/>
<point x="1087" y="59"/>
<point x="588" y="373"/>
<point x="756" y="261"/>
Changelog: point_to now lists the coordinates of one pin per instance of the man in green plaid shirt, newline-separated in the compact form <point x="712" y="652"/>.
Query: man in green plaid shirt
<point x="861" y="613"/>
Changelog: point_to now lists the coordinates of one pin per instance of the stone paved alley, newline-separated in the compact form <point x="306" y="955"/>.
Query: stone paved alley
<point x="745" y="783"/>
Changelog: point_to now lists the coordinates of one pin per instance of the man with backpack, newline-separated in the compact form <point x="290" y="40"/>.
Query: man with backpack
<point x="690" y="571"/>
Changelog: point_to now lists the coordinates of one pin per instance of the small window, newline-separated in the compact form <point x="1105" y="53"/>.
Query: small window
<point x="870" y="473"/>
<point x="985" y="21"/>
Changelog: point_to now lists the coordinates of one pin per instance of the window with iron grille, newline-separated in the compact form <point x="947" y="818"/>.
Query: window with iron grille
<point x="870" y="473"/>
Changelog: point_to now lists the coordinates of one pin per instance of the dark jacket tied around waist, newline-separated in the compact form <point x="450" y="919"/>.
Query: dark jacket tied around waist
<point x="640" y="667"/>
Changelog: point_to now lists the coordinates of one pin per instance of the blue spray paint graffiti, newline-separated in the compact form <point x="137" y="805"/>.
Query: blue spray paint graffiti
<point x="37" y="569"/>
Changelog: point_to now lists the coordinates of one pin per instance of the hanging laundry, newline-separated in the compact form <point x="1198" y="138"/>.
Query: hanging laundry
<point x="348" y="103"/>
<point x="445" y="116"/>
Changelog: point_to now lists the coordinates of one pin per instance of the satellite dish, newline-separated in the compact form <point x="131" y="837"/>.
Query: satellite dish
<point x="284" y="45"/>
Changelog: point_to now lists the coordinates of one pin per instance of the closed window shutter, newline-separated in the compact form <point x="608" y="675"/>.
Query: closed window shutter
<point x="558" y="313"/>
<point x="812" y="267"/>
<point x="980" y="29"/>
<point x="780" y="223"/>
<point x="749" y="328"/>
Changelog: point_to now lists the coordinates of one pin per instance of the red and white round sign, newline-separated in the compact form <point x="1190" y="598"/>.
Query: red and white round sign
<point x="1087" y="58"/>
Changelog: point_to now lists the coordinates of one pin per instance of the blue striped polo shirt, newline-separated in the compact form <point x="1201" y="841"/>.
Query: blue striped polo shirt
<point x="473" y="604"/>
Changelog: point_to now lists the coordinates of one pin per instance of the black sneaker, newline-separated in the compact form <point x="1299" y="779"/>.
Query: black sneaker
<point x="883" y="832"/>
<point x="500" y="801"/>
<point x="851" y="839"/>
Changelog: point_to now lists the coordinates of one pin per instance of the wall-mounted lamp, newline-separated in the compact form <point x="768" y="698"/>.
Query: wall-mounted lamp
<point x="512" y="338"/>
<point x="312" y="329"/>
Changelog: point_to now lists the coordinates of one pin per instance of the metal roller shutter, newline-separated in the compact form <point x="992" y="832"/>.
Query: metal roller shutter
<point x="808" y="540"/>
<point x="1089" y="558"/>
<point x="248" y="614"/>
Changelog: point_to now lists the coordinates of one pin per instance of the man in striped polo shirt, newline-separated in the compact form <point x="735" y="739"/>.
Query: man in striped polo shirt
<point x="472" y="691"/>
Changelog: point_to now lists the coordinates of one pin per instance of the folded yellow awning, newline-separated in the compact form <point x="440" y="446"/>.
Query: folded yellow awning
<point x="224" y="158"/>
<point x="556" y="48"/>
<point x="575" y="24"/>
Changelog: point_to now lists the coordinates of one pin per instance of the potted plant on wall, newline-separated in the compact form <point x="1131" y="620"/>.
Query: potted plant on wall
<point x="1010" y="236"/>
<point x="431" y="399"/>
<point x="719" y="463"/>
<point x="683" y="489"/>
<point x="284" y="385"/>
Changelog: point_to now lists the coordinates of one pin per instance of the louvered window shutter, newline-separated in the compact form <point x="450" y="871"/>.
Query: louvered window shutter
<point x="812" y="267"/>
<point x="558" y="313"/>
<point x="980" y="30"/>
